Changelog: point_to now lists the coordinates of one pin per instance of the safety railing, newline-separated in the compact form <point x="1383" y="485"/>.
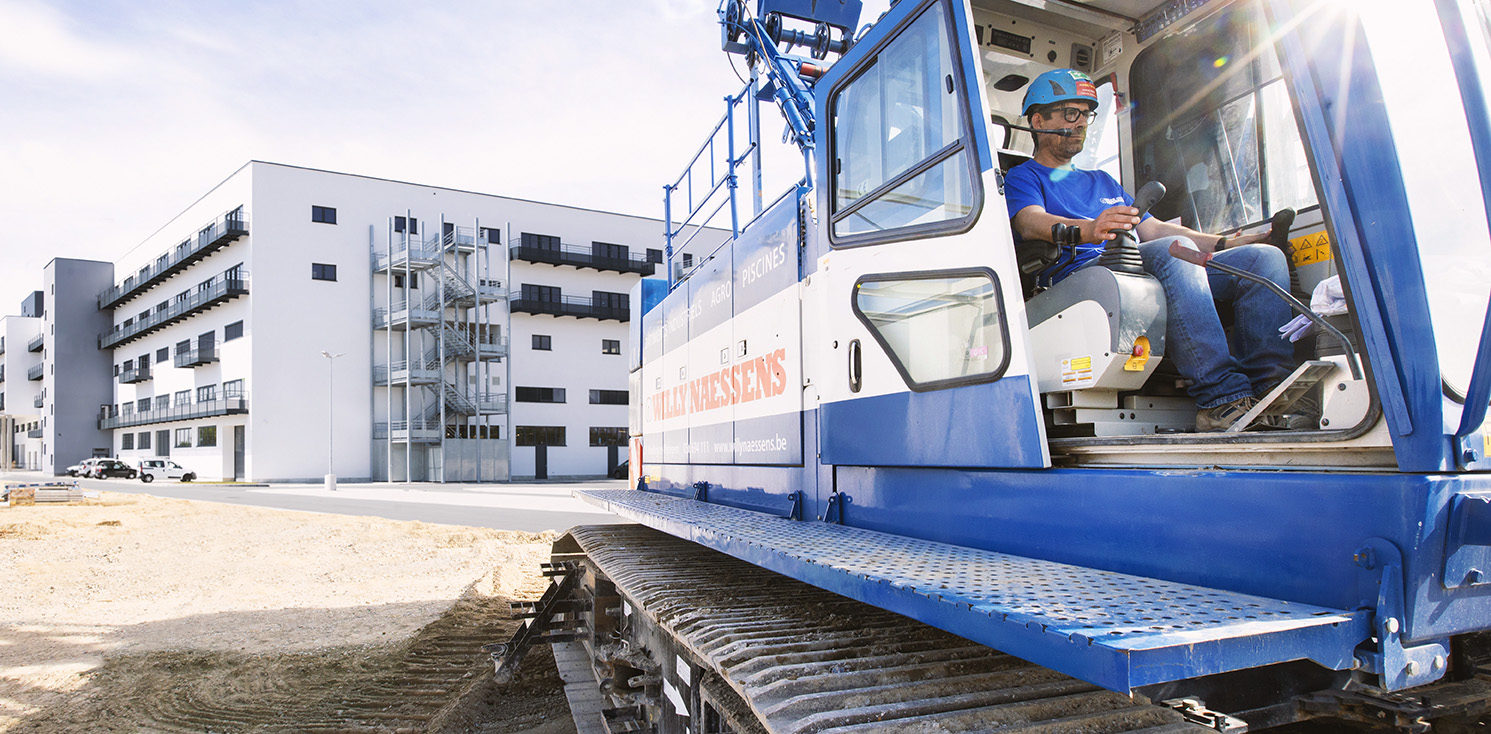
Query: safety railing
<point x="236" y="405"/>
<point x="34" y="373"/>
<point x="196" y="357"/>
<point x="577" y="306"/>
<point x="224" y="229"/>
<point x="36" y="343"/>
<point x="417" y="430"/>
<point x="580" y="257"/>
<point x="401" y="313"/>
<point x="38" y="402"/>
<point x="221" y="288"/>
<point x="34" y="433"/>
<point x="421" y="372"/>
<point x="2" y="373"/>
<point x="134" y="374"/>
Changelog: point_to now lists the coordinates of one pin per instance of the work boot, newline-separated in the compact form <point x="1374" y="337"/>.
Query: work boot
<point x="1221" y="417"/>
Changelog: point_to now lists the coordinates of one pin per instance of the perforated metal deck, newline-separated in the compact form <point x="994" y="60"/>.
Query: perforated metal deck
<point x="1115" y="630"/>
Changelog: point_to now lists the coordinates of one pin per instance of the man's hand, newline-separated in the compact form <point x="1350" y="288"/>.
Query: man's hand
<point x="1110" y="221"/>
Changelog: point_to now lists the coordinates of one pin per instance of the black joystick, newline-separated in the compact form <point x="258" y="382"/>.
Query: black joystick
<point x="1121" y="255"/>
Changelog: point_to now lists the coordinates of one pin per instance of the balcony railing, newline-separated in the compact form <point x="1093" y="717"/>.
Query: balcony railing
<point x="34" y="433"/>
<point x="418" y="430"/>
<point x="226" y="406"/>
<point x="577" y="306"/>
<point x="420" y="314"/>
<point x="38" y="401"/>
<point x="131" y="375"/>
<point x="223" y="230"/>
<point x="196" y="357"/>
<point x="2" y="345"/>
<point x="34" y="373"/>
<point x="581" y="257"/>
<point x="36" y="343"/>
<point x="2" y="373"/>
<point x="220" y="290"/>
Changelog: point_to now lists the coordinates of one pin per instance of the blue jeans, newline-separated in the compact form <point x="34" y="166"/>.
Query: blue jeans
<point x="1194" y="337"/>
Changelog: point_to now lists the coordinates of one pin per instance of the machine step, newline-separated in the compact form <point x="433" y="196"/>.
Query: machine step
<point x="1114" y="630"/>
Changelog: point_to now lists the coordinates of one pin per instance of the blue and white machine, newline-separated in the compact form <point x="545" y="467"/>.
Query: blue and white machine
<point x="852" y="388"/>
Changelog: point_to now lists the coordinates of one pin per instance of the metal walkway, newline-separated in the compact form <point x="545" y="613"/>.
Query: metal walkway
<point x="803" y="660"/>
<point x="1115" y="630"/>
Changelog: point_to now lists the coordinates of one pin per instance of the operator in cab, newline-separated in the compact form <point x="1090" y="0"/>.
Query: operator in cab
<point x="1048" y="191"/>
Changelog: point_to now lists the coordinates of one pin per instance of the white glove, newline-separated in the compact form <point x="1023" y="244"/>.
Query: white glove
<point x="1297" y="329"/>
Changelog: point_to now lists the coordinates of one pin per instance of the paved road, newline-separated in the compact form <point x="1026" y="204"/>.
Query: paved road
<point x="529" y="507"/>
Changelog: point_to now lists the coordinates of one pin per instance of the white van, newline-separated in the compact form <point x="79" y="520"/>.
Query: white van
<point x="152" y="469"/>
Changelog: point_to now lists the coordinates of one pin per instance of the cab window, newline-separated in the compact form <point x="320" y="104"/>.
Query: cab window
<point x="902" y="155"/>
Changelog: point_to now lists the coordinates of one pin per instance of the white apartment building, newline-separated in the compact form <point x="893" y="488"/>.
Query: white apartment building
<point x="21" y="344"/>
<point x="294" y="320"/>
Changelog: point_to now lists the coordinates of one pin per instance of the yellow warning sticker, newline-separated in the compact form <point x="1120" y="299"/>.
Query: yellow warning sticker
<point x="1311" y="248"/>
<point x="1076" y="370"/>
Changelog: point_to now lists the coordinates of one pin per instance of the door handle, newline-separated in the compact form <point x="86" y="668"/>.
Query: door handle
<point x="856" y="370"/>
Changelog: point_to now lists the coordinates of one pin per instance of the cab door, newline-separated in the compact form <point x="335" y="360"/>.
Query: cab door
<point x="920" y="351"/>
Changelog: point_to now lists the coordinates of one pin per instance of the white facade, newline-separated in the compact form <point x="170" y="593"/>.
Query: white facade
<point x="247" y="323"/>
<point x="19" y="414"/>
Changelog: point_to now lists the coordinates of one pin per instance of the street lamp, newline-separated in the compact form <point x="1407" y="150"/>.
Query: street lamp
<point x="331" y="359"/>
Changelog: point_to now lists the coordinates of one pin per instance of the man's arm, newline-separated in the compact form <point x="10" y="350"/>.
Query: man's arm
<point x="1153" y="229"/>
<point x="1034" y="223"/>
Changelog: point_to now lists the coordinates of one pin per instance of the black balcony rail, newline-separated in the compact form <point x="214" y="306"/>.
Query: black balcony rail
<point x="216" y="235"/>
<point x="600" y="255"/>
<point x="36" y="343"/>
<point x="196" y="357"/>
<point x="34" y="373"/>
<point x="2" y="373"/>
<point x="34" y="433"/>
<point x="577" y="306"/>
<point x="2" y="402"/>
<point x="133" y="374"/>
<point x="221" y="288"/>
<point x="38" y="401"/>
<point x="2" y="345"/>
<point x="236" y="405"/>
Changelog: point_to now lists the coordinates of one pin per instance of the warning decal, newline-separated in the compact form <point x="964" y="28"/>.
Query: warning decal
<point x="1311" y="248"/>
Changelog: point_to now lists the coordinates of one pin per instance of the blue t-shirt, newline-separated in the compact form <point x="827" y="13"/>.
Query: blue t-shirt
<point x="1064" y="192"/>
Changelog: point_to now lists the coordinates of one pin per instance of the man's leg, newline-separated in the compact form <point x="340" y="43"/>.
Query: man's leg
<point x="1194" y="338"/>
<point x="1262" y="356"/>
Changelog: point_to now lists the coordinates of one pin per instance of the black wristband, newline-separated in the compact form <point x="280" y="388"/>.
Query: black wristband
<point x="1221" y="243"/>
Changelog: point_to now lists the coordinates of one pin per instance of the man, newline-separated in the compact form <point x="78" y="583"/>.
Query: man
<point x="1048" y="191"/>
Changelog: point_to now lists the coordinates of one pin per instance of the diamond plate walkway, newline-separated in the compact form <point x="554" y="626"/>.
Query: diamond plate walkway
<point x="1115" y="630"/>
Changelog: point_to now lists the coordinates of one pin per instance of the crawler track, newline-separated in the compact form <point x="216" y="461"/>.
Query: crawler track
<point x="806" y="660"/>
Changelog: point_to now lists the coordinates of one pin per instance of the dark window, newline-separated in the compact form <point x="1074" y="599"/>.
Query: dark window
<point x="207" y="393"/>
<point x="688" y="260"/>
<point x="207" y="436"/>
<point x="608" y="251"/>
<point x="233" y="389"/>
<point x="183" y="397"/>
<point x="232" y="331"/>
<point x="163" y="354"/>
<point x="608" y="436"/>
<point x="610" y="346"/>
<point x="162" y="402"/>
<point x="608" y="301"/>
<point x="540" y="241"/>
<point x="543" y="342"/>
<point x="540" y="436"/>
<point x="127" y="442"/>
<point x="540" y="395"/>
<point x="117" y="370"/>
<point x="183" y="438"/>
<point x="493" y="236"/>
<point x="398" y="280"/>
<point x="183" y="347"/>
<point x="143" y="362"/>
<point x="143" y="404"/>
<point x="608" y="397"/>
<point x="323" y="214"/>
<point x="400" y="222"/>
<point x="654" y="256"/>
<point x="321" y="271"/>
<point x="544" y="293"/>
<point x="144" y="440"/>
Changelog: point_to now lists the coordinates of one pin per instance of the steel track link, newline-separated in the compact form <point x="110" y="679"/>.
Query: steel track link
<point x="807" y="660"/>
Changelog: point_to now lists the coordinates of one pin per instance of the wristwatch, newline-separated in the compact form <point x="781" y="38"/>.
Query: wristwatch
<point x="1221" y="243"/>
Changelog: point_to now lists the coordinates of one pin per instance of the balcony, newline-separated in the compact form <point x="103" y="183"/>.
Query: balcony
<point x="2" y="373"/>
<point x="403" y="314"/>
<point x="34" y="433"/>
<point x="217" y="291"/>
<point x="34" y="373"/>
<point x="598" y="256"/>
<point x="2" y="345"/>
<point x="36" y="343"/>
<point x="577" y="306"/>
<point x="37" y="402"/>
<point x="132" y="375"/>
<point x="417" y="431"/>
<point x="226" y="406"/>
<point x="197" y="357"/>
<point x="215" y="236"/>
<point x="422" y="372"/>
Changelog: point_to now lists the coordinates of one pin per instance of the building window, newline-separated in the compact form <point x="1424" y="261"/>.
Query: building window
<point x="233" y="389"/>
<point x="144" y="440"/>
<point x="540" y="395"/>
<point x="608" y="436"/>
<point x="608" y="397"/>
<point x="207" y="393"/>
<point x="183" y="438"/>
<point x="127" y="442"/>
<point x="232" y="331"/>
<point x="323" y="214"/>
<point x="543" y="342"/>
<point x="540" y="436"/>
<point x="610" y="346"/>
<point x="207" y="435"/>
<point x="183" y="397"/>
<point x="143" y="404"/>
<point x="400" y="222"/>
<point x="163" y="354"/>
<point x="654" y="256"/>
<point x="320" y="271"/>
<point x="539" y="241"/>
<point x="543" y="293"/>
<point x="493" y="236"/>
<point x="609" y="301"/>
<point x="398" y="280"/>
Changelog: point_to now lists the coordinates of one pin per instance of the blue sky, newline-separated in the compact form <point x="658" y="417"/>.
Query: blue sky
<point x="116" y="116"/>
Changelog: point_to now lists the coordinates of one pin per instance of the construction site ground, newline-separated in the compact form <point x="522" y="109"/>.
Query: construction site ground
<point x="136" y="613"/>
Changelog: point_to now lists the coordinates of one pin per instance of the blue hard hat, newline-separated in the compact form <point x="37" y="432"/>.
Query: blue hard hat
<point x="1060" y="85"/>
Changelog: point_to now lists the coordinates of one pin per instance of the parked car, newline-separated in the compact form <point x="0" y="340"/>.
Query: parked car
<point x="620" y="472"/>
<point x="152" y="469"/>
<point x="106" y="468"/>
<point x="76" y="469"/>
<point x="84" y="468"/>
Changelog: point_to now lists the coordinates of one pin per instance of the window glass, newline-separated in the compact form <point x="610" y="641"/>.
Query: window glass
<point x="902" y="115"/>
<point x="207" y="436"/>
<point x="941" y="329"/>
<point x="1101" y="151"/>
